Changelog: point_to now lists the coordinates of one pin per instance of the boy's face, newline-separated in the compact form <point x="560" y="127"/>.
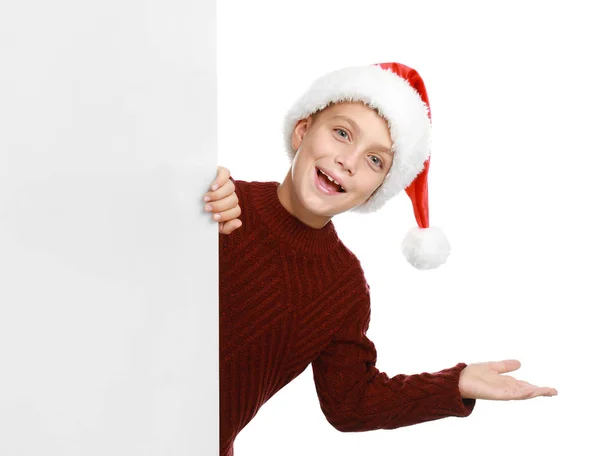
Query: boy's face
<point x="351" y="143"/>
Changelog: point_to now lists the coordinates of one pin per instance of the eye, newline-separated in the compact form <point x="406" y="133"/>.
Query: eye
<point x="342" y="131"/>
<point x="381" y="164"/>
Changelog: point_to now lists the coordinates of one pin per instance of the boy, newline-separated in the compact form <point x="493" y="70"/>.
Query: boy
<point x="292" y="294"/>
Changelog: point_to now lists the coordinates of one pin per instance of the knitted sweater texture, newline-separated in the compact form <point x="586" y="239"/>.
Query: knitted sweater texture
<point x="291" y="296"/>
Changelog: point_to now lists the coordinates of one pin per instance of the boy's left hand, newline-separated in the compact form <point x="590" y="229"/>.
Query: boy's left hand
<point x="483" y="381"/>
<point x="223" y="202"/>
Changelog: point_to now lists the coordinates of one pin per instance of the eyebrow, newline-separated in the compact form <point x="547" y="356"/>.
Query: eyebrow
<point x="356" y="127"/>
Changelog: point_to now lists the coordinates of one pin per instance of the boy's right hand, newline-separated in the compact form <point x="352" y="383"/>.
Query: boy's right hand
<point x="223" y="202"/>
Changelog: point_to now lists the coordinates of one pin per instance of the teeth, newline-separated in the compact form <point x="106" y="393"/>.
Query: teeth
<point x="331" y="179"/>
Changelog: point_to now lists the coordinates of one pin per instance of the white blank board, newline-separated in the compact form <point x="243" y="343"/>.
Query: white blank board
<point x="108" y="277"/>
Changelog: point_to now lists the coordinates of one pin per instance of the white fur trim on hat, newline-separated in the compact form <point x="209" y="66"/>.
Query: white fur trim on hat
<point x="395" y="100"/>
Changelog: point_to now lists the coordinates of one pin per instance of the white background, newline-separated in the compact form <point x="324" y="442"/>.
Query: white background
<point x="108" y="264"/>
<point x="513" y="182"/>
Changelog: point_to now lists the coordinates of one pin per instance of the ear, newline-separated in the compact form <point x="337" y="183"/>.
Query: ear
<point x="299" y="131"/>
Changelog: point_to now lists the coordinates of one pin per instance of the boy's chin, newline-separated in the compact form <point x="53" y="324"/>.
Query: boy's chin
<point x="323" y="205"/>
<point x="317" y="208"/>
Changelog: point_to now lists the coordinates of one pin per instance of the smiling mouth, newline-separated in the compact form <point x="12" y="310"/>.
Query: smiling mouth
<point x="325" y="185"/>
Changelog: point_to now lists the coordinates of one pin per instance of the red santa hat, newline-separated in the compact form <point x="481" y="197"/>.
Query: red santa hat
<point x="398" y="94"/>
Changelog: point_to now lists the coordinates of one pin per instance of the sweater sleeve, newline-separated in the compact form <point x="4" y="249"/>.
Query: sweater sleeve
<point x="355" y="396"/>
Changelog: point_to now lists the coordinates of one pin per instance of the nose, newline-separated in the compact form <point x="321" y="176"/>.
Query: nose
<point x="348" y="161"/>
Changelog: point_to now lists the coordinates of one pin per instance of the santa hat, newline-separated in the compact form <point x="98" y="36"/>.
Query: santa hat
<point x="398" y="94"/>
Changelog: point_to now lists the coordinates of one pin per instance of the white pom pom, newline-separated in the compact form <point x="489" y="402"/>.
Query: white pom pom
<point x="426" y="248"/>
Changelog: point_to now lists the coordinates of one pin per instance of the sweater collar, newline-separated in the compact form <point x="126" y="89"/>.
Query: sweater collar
<point x="288" y="228"/>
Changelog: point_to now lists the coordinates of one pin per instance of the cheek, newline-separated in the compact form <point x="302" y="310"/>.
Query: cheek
<point x="303" y="163"/>
<point x="369" y="188"/>
<point x="324" y="139"/>
<point x="303" y="154"/>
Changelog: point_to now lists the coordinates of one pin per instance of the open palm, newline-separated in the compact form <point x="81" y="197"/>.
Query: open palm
<point x="483" y="381"/>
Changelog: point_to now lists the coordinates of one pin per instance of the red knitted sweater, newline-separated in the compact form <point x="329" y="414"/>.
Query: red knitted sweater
<point x="291" y="295"/>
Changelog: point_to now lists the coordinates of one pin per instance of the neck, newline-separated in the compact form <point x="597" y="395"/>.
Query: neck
<point x="289" y="200"/>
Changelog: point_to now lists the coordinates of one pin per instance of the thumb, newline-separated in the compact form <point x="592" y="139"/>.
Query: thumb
<point x="508" y="365"/>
